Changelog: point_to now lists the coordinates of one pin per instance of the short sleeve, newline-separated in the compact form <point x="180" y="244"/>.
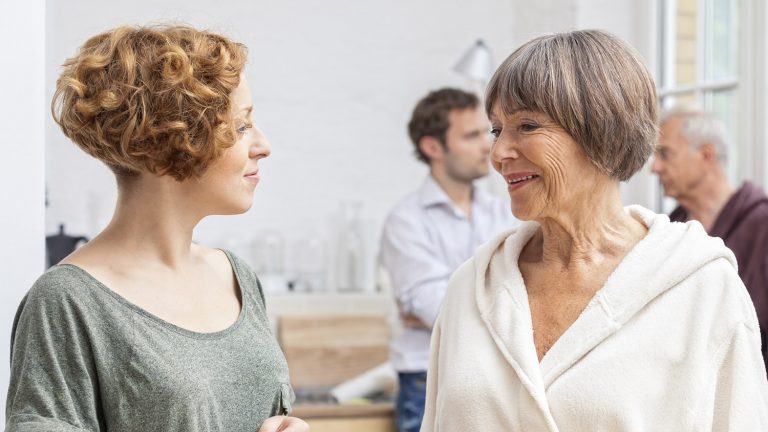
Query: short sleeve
<point x="54" y="384"/>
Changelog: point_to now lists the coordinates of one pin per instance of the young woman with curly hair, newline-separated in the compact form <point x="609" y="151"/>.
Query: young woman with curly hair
<point x="141" y="329"/>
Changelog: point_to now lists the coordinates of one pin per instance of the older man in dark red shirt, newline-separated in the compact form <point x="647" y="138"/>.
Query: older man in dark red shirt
<point x="689" y="162"/>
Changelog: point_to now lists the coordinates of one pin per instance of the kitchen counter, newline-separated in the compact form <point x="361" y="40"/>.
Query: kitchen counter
<point x="329" y="303"/>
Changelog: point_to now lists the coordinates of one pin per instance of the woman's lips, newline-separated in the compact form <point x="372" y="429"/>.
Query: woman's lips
<point x="520" y="184"/>
<point x="517" y="181"/>
<point x="253" y="176"/>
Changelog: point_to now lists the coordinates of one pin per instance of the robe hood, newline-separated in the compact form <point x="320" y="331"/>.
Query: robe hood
<point x="667" y="255"/>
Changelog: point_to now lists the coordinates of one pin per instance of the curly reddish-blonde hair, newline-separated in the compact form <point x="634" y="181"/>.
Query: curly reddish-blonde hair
<point x="151" y="99"/>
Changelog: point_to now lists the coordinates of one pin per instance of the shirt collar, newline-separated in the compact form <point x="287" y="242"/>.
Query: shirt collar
<point x="431" y="194"/>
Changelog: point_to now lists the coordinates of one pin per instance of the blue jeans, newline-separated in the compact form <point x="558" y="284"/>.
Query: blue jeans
<point x="409" y="408"/>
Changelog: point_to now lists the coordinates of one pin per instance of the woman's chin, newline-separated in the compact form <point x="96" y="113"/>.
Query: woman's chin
<point x="235" y="208"/>
<point x="244" y="207"/>
<point x="522" y="211"/>
<point x="521" y="216"/>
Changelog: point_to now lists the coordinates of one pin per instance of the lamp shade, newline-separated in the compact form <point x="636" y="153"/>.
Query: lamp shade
<point x="476" y="64"/>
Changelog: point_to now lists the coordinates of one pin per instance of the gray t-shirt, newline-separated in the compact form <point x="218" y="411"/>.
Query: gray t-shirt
<point x="85" y="359"/>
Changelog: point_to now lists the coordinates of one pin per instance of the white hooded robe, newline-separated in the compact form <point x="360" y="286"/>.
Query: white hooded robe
<point x="669" y="343"/>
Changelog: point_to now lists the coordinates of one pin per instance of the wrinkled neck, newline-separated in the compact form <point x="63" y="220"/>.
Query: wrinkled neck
<point x="588" y="230"/>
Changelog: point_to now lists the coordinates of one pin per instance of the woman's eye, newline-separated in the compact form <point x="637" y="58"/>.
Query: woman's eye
<point x="242" y="129"/>
<point x="495" y="132"/>
<point x="528" y="127"/>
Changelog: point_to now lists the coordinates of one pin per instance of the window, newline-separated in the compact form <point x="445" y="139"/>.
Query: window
<point x="699" y="47"/>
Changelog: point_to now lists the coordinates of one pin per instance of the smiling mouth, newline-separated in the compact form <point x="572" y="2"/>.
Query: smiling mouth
<point x="517" y="180"/>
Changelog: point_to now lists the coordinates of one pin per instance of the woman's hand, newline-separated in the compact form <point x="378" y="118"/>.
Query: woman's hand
<point x="284" y="424"/>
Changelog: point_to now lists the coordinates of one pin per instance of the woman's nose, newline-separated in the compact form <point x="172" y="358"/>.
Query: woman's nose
<point x="261" y="147"/>
<point x="503" y="148"/>
<point x="261" y="150"/>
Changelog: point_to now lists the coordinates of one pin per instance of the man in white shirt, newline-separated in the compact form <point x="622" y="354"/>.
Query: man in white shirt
<point x="434" y="229"/>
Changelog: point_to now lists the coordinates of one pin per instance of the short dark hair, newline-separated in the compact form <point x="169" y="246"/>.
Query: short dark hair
<point x="594" y="86"/>
<point x="430" y="117"/>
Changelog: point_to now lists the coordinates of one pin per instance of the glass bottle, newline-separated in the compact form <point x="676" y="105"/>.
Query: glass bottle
<point x="350" y="254"/>
<point x="310" y="253"/>
<point x="267" y="253"/>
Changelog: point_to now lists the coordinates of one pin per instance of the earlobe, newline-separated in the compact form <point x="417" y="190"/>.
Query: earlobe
<point x="431" y="147"/>
<point x="708" y="152"/>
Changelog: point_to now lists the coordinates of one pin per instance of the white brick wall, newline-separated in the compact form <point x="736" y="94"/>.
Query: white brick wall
<point x="334" y="83"/>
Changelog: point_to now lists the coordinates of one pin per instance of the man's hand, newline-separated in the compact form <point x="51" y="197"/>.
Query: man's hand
<point x="412" y="321"/>
<point x="284" y="424"/>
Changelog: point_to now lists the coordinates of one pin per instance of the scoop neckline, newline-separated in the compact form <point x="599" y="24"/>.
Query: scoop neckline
<point x="165" y="323"/>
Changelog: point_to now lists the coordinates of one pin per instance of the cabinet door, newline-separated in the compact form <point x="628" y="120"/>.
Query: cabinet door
<point x="372" y="424"/>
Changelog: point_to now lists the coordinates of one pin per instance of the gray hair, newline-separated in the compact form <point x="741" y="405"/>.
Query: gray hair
<point x="700" y="127"/>
<point x="591" y="84"/>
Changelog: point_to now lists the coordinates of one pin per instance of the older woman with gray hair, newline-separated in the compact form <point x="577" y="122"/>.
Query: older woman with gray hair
<point x="590" y="316"/>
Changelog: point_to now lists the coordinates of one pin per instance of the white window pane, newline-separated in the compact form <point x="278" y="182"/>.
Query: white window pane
<point x="678" y="99"/>
<point x="723" y="47"/>
<point x="723" y="104"/>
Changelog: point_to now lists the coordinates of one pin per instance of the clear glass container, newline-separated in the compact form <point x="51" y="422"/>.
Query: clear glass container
<point x="267" y="254"/>
<point x="310" y="254"/>
<point x="350" y="252"/>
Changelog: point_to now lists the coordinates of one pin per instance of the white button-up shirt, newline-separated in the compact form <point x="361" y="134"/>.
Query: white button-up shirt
<point x="425" y="238"/>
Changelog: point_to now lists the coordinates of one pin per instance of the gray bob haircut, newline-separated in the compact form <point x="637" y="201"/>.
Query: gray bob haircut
<point x="592" y="85"/>
<point x="700" y="127"/>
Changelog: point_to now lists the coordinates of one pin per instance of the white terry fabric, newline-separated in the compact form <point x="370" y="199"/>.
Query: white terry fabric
<point x="670" y="343"/>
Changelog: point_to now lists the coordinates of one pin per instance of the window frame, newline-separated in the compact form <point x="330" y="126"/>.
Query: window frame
<point x="748" y="132"/>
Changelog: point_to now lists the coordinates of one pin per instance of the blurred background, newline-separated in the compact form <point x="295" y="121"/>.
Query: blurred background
<point x="334" y="83"/>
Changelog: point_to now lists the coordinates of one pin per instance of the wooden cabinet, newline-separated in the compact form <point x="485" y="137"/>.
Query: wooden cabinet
<point x="352" y="425"/>
<point x="347" y="418"/>
<point x="324" y="350"/>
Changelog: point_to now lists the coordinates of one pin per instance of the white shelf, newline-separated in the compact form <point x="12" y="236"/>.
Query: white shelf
<point x="329" y="303"/>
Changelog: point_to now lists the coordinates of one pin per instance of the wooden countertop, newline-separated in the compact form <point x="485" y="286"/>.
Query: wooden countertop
<point x="344" y="410"/>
